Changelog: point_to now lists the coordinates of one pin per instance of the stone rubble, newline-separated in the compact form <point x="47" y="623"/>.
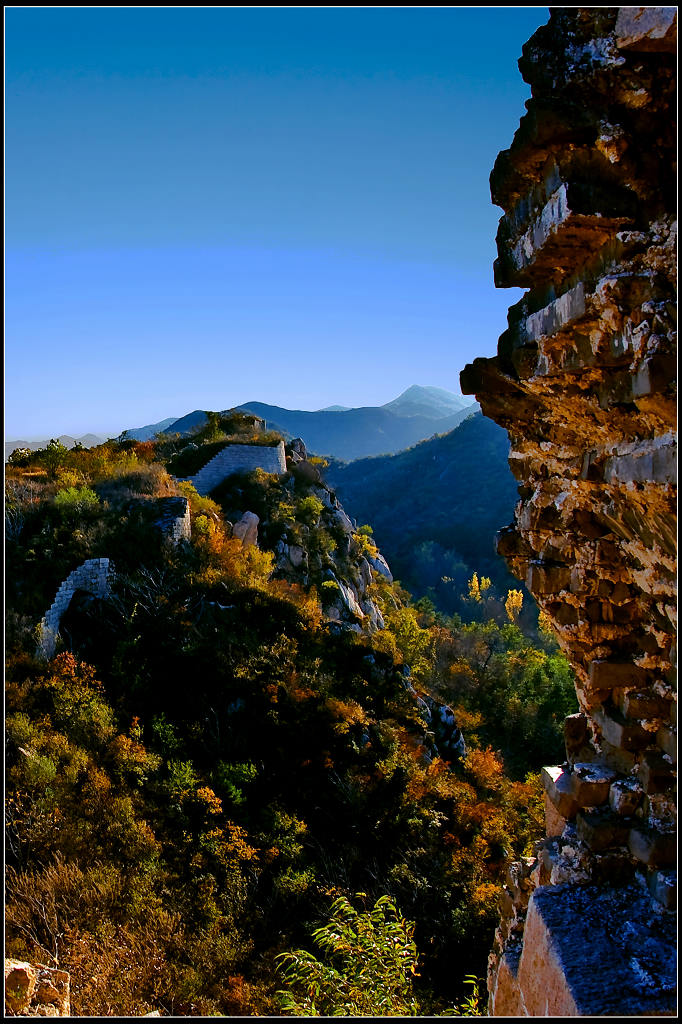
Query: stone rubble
<point x="33" y="990"/>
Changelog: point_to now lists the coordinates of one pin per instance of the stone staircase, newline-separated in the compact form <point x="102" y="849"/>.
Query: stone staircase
<point x="239" y="458"/>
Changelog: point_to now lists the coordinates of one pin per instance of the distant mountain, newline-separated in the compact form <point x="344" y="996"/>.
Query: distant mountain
<point x="436" y="403"/>
<point x="436" y="508"/>
<point x="186" y="424"/>
<point x="343" y="433"/>
<point x="150" y="431"/>
<point x="87" y="440"/>
<point x="356" y="433"/>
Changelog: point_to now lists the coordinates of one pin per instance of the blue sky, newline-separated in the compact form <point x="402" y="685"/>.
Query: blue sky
<point x="211" y="206"/>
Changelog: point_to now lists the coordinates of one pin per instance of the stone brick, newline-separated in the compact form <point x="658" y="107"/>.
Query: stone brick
<point x="585" y="382"/>
<point x="600" y="829"/>
<point x="621" y="760"/>
<point x="506" y="902"/>
<point x="666" y="739"/>
<point x="238" y="458"/>
<point x="655" y="848"/>
<point x="546" y="579"/>
<point x="605" y="675"/>
<point x="656" y="774"/>
<point x="647" y="29"/>
<point x="555" y="823"/>
<point x="612" y="867"/>
<point x="625" y="796"/>
<point x="93" y="577"/>
<point x="558" y="785"/>
<point x="579" y="944"/>
<point x="505" y="1000"/>
<point x="590" y="784"/>
<point x="637" y="704"/>
<point x="621" y="731"/>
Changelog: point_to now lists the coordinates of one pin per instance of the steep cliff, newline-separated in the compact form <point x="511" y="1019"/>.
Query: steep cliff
<point x="584" y="381"/>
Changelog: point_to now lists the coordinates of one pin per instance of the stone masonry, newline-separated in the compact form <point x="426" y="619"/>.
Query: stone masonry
<point x="585" y="383"/>
<point x="173" y="519"/>
<point x="239" y="458"/>
<point x="92" y="577"/>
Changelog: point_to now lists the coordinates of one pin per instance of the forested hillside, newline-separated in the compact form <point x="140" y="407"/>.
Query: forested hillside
<point x="246" y="730"/>
<point x="356" y="433"/>
<point x="435" y="508"/>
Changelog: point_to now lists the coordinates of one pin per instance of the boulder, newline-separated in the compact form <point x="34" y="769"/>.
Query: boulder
<point x="246" y="530"/>
<point x="296" y="555"/>
<point x="344" y="521"/>
<point x="298" y="450"/>
<point x="33" y="990"/>
<point x="305" y="471"/>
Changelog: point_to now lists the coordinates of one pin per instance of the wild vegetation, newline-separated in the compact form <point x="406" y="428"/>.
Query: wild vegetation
<point x="435" y="509"/>
<point x="208" y="772"/>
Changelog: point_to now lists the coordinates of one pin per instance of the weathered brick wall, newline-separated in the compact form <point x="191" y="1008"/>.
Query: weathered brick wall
<point x="92" y="577"/>
<point x="239" y="458"/>
<point x="173" y="518"/>
<point x="585" y="383"/>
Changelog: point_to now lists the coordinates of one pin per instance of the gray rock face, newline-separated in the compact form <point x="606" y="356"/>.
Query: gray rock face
<point x="325" y="497"/>
<point x="344" y="521"/>
<point x="447" y="734"/>
<point x="349" y="598"/>
<point x="246" y="530"/>
<point x="298" y="450"/>
<point x="379" y="563"/>
<point x="364" y="573"/>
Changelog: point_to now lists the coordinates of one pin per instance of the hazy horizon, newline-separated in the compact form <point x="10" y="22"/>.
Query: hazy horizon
<point x="135" y="426"/>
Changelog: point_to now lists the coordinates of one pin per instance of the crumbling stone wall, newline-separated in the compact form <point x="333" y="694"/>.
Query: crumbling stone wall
<point x="585" y="383"/>
<point x="239" y="458"/>
<point x="173" y="519"/>
<point x="95" y="574"/>
<point x="92" y="577"/>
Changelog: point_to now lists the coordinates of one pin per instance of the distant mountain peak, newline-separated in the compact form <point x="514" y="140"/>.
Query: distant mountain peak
<point x="423" y="400"/>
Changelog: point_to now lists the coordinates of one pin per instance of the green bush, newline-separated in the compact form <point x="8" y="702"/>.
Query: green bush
<point x="75" y="500"/>
<point x="369" y="961"/>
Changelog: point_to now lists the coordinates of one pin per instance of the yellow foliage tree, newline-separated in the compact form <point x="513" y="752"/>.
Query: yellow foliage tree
<point x="513" y="605"/>
<point x="478" y="587"/>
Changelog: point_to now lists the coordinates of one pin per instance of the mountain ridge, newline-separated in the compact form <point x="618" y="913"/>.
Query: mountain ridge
<point x="87" y="440"/>
<point x="337" y="431"/>
<point x="435" y="508"/>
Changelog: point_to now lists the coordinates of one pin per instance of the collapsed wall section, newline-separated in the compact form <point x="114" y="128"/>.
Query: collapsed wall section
<point x="585" y="383"/>
<point x="92" y="577"/>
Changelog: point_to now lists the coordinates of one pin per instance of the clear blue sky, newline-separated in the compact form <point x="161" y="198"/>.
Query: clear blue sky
<point x="211" y="206"/>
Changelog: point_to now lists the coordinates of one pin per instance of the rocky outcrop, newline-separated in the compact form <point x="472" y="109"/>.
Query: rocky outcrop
<point x="345" y="572"/>
<point x="33" y="990"/>
<point x="585" y="383"/>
